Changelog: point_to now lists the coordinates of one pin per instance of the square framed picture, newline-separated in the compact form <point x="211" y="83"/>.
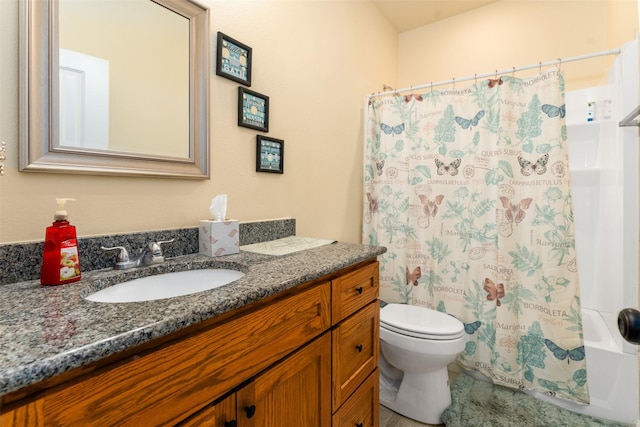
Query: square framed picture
<point x="253" y="110"/>
<point x="269" y="154"/>
<point x="233" y="60"/>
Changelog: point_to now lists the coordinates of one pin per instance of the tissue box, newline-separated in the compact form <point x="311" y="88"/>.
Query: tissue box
<point x="218" y="238"/>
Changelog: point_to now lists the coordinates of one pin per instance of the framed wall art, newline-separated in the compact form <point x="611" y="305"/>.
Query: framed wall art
<point x="233" y="60"/>
<point x="253" y="110"/>
<point x="269" y="155"/>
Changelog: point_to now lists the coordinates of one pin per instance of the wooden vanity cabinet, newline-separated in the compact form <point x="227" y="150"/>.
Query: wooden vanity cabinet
<point x="306" y="357"/>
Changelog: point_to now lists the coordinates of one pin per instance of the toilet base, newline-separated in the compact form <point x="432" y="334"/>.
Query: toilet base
<point x="422" y="397"/>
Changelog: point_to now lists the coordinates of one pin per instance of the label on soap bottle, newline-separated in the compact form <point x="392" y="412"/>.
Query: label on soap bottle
<point x="69" y="260"/>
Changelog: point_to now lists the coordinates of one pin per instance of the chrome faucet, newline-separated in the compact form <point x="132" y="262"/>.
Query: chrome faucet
<point x="150" y="254"/>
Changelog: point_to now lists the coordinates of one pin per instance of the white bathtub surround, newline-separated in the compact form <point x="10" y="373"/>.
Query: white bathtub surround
<point x="603" y="160"/>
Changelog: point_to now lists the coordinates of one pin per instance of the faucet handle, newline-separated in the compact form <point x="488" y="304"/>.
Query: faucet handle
<point x="123" y="255"/>
<point x="162" y="242"/>
<point x="155" y="251"/>
<point x="122" y="260"/>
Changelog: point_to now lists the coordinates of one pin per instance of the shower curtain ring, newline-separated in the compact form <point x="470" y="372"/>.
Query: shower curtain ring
<point x="513" y="74"/>
<point x="559" y="63"/>
<point x="454" y="83"/>
<point x="431" y="87"/>
<point x="540" y="67"/>
<point x="475" y="76"/>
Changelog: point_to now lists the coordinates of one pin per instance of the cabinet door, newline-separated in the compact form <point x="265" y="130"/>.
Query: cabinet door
<point x="294" y="392"/>
<point x="220" y="414"/>
<point x="30" y="415"/>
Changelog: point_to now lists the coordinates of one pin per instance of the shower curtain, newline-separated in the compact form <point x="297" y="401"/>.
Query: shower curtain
<point x="468" y="188"/>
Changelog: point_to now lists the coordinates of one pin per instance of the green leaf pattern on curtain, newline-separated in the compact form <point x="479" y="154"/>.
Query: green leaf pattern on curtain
<point x="468" y="188"/>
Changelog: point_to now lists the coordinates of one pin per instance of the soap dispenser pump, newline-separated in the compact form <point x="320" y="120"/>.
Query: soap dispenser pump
<point x="60" y="259"/>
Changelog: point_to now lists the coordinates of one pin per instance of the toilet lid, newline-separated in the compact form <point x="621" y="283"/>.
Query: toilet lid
<point x="420" y="322"/>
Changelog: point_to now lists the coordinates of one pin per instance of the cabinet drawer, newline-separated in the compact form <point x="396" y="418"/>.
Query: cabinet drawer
<point x="355" y="352"/>
<point x="353" y="291"/>
<point x="166" y="385"/>
<point x="361" y="409"/>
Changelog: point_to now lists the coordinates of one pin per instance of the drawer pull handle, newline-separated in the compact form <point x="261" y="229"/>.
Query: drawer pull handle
<point x="359" y="347"/>
<point x="360" y="289"/>
<point x="359" y="425"/>
<point x="250" y="410"/>
<point x="231" y="423"/>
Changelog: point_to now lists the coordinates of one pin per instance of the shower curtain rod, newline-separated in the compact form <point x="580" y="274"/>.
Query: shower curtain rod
<point x="496" y="72"/>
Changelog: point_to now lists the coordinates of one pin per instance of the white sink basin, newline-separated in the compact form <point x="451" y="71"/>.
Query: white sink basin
<point x="166" y="285"/>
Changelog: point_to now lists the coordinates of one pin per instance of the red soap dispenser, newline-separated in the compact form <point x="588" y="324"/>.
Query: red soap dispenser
<point x="60" y="259"/>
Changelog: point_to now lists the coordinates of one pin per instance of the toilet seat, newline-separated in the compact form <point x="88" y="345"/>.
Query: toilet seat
<point x="420" y="322"/>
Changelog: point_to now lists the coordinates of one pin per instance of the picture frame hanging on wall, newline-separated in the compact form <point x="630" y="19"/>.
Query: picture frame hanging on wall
<point x="253" y="110"/>
<point x="269" y="154"/>
<point x="233" y="59"/>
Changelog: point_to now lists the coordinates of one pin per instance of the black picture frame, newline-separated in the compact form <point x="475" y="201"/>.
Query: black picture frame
<point x="253" y="110"/>
<point x="233" y="59"/>
<point x="269" y="154"/>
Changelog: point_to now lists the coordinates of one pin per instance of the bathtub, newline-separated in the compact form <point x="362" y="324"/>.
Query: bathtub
<point x="611" y="375"/>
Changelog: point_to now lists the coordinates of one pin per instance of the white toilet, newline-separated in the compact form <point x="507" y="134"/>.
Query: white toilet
<point x="416" y="346"/>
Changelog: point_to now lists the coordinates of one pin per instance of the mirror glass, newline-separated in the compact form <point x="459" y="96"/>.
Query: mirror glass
<point x="126" y="88"/>
<point x="113" y="58"/>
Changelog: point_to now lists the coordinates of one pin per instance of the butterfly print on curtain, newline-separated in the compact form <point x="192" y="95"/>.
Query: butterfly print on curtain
<point x="469" y="123"/>
<point x="493" y="82"/>
<point x="560" y="353"/>
<point x="471" y="327"/>
<point x="430" y="208"/>
<point x="392" y="130"/>
<point x="494" y="292"/>
<point x="372" y="207"/>
<point x="515" y="212"/>
<point x="539" y="167"/>
<point x="451" y="168"/>
<point x="408" y="98"/>
<point x="412" y="278"/>
<point x="553" y="111"/>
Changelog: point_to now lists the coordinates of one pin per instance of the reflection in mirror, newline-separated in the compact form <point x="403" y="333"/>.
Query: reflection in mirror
<point x="126" y="87"/>
<point x="138" y="46"/>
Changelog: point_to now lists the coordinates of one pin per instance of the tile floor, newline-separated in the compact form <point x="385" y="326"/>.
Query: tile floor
<point x="388" y="418"/>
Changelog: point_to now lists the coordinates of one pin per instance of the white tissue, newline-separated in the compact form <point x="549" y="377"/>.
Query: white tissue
<point x="218" y="207"/>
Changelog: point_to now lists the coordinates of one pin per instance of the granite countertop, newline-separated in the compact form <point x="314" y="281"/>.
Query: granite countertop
<point x="48" y="330"/>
